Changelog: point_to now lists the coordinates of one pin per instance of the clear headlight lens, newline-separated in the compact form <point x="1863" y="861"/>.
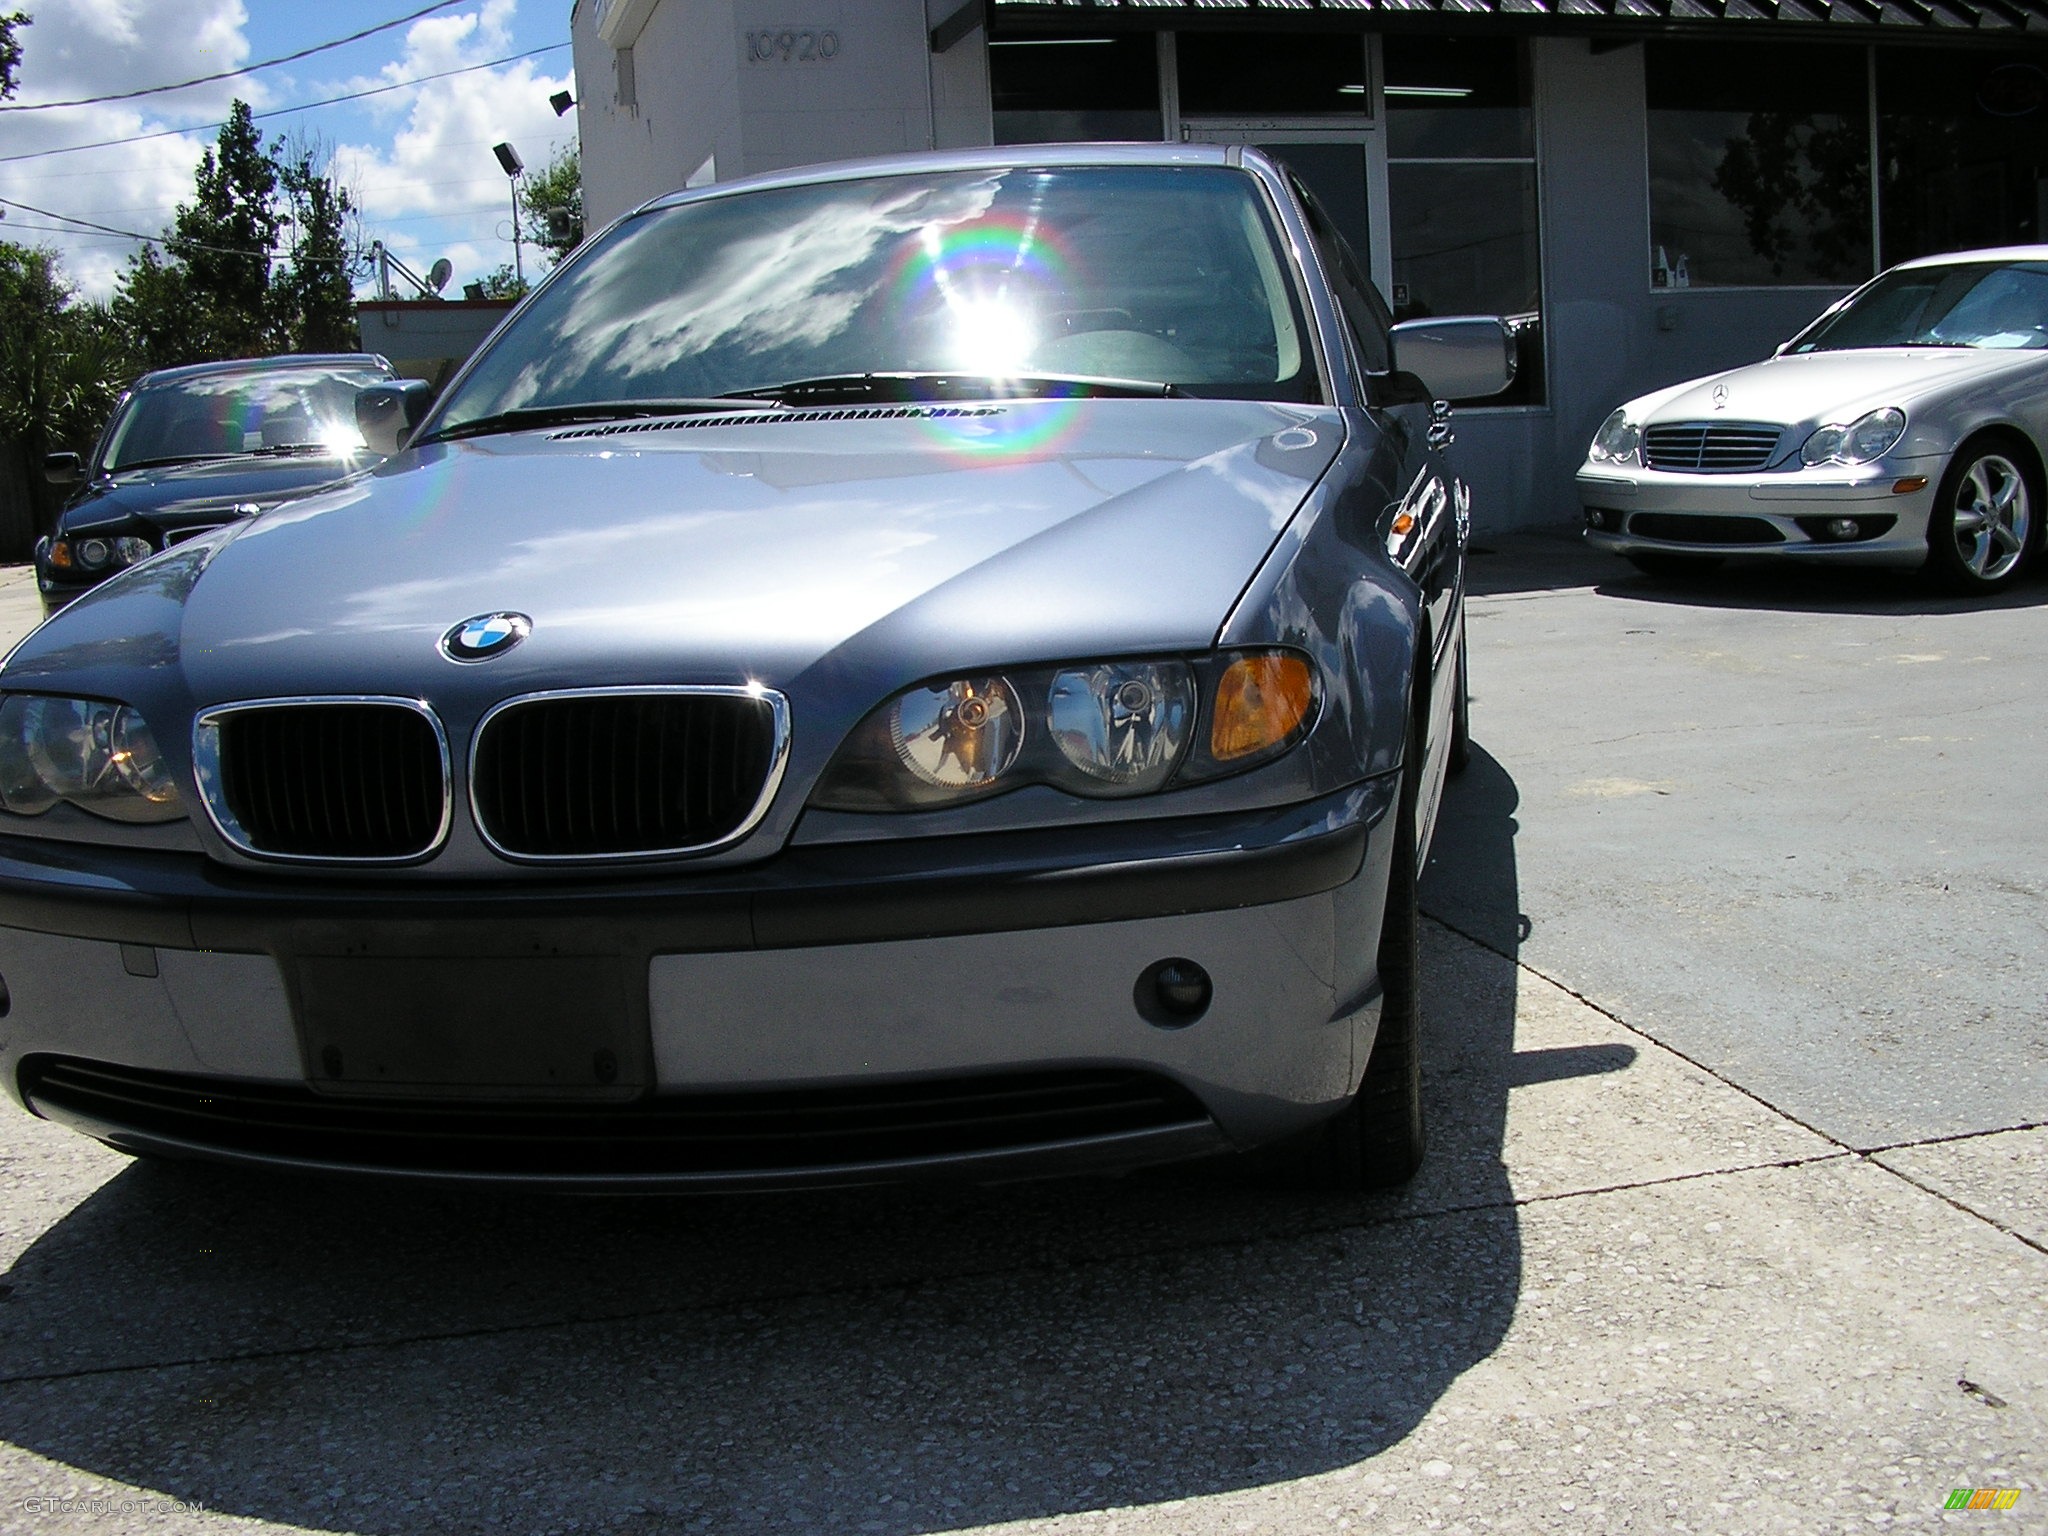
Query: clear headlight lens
<point x="1101" y="729"/>
<point x="1615" y="442"/>
<point x="1868" y="437"/>
<point x="962" y="735"/>
<point x="96" y="553"/>
<point x="1123" y="722"/>
<point x="98" y="756"/>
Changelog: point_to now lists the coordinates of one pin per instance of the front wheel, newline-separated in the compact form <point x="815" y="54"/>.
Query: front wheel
<point x="1981" y="531"/>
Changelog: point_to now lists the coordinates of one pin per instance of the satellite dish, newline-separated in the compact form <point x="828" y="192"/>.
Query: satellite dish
<point x="439" y="273"/>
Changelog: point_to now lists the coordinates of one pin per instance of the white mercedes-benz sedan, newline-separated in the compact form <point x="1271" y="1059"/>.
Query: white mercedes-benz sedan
<point x="1903" y="427"/>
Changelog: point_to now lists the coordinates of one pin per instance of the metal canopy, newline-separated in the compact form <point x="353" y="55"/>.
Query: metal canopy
<point x="2007" y="20"/>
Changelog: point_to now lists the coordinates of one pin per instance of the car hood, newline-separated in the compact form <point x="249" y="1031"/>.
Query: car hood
<point x="177" y="496"/>
<point x="881" y="545"/>
<point x="1816" y="387"/>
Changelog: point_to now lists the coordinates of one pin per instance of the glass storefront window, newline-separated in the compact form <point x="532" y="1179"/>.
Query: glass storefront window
<point x="1053" y="90"/>
<point x="1461" y="190"/>
<point x="1276" y="74"/>
<point x="1962" y="151"/>
<point x="1759" y="164"/>
<point x="1455" y="98"/>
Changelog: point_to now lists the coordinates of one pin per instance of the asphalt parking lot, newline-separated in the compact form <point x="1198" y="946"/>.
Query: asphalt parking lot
<point x="1735" y="1217"/>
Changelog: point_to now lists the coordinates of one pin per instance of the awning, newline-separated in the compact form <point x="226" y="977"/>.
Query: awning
<point x="2003" y="21"/>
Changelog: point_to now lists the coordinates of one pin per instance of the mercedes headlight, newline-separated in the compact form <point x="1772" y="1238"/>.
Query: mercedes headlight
<point x="1615" y="442"/>
<point x="1100" y="729"/>
<point x="96" y="755"/>
<point x="1868" y="437"/>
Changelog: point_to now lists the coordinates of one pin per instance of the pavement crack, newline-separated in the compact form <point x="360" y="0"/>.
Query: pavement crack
<point x="1869" y="1155"/>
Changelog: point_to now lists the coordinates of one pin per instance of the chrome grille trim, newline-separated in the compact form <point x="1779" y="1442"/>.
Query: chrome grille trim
<point x="207" y="769"/>
<point x="1711" y="447"/>
<point x="778" y="763"/>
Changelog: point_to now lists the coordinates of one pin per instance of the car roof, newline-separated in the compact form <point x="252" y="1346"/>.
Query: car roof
<point x="1989" y="253"/>
<point x="1003" y="157"/>
<point x="279" y="363"/>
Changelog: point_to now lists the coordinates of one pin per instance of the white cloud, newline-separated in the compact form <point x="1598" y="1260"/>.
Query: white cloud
<point x="438" y="165"/>
<point x="99" y="47"/>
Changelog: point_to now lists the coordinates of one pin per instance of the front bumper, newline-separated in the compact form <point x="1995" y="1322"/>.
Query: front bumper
<point x="824" y="988"/>
<point x="1779" y="513"/>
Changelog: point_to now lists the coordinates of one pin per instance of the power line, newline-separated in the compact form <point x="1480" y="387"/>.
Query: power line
<point x="307" y="106"/>
<point x="170" y="243"/>
<point x="232" y="74"/>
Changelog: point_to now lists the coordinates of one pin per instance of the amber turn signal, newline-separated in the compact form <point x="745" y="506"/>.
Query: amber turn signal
<point x="1909" y="485"/>
<point x="1260" y="702"/>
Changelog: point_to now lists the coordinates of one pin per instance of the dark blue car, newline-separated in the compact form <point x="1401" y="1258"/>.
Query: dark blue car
<point x="188" y="449"/>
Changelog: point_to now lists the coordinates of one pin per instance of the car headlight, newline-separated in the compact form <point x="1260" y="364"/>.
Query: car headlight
<point x="1615" y="442"/>
<point x="97" y="755"/>
<point x="1868" y="437"/>
<point x="98" y="552"/>
<point x="1100" y="729"/>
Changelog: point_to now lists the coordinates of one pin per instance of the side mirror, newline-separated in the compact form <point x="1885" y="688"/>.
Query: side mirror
<point x="1460" y="357"/>
<point x="63" y="468"/>
<point x="387" y="413"/>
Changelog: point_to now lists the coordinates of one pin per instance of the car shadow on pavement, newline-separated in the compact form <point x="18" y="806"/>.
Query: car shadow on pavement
<point x="1811" y="589"/>
<point x="335" y="1356"/>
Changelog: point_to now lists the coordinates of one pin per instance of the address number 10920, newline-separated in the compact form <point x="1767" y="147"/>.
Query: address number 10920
<point x="790" y="45"/>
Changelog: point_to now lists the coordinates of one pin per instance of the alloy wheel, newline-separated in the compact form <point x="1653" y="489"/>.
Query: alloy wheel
<point x="1993" y="518"/>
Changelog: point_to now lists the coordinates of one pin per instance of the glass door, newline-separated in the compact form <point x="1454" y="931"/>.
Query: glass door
<point x="1310" y="101"/>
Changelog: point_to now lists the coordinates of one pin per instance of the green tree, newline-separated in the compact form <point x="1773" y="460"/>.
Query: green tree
<point x="313" y="296"/>
<point x="63" y="364"/>
<point x="553" y="200"/>
<point x="10" y="52"/>
<point x="501" y="284"/>
<point x="220" y="287"/>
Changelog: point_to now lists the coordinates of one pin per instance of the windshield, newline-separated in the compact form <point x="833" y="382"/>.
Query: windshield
<point x="216" y="415"/>
<point x="1969" y="304"/>
<point x="1159" y="273"/>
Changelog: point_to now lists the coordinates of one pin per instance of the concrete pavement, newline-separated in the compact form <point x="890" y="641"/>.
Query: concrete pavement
<point x="1702" y="1243"/>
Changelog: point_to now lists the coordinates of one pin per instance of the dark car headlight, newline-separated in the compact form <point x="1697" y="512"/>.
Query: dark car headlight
<point x="93" y="553"/>
<point x="1103" y="729"/>
<point x="98" y="756"/>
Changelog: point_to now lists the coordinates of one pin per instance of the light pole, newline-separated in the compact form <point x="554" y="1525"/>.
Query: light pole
<point x="514" y="168"/>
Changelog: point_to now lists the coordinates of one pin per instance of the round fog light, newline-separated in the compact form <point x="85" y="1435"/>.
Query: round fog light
<point x="1843" y="528"/>
<point x="1173" y="993"/>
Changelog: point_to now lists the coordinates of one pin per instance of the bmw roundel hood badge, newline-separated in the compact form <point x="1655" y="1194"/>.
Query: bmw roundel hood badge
<point x="485" y="636"/>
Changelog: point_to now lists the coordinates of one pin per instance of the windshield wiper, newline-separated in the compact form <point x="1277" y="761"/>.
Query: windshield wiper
<point x="527" y="417"/>
<point x="289" y="450"/>
<point x="840" y="388"/>
<point x="168" y="458"/>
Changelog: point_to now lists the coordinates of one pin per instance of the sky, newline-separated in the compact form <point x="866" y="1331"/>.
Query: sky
<point x="418" y="159"/>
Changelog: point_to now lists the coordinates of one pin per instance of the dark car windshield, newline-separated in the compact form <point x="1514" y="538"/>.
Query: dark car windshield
<point x="1158" y="273"/>
<point x="1968" y="304"/>
<point x="216" y="415"/>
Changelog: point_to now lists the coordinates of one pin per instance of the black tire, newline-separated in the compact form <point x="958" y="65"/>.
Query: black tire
<point x="1376" y="1141"/>
<point x="1986" y="521"/>
<point x="1673" y="567"/>
<point x="1461" y="714"/>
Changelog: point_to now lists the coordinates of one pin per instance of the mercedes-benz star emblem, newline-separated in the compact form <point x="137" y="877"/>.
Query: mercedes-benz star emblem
<point x="1720" y="397"/>
<point x="485" y="636"/>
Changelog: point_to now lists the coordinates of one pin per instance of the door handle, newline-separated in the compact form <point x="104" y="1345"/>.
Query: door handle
<point x="1440" y="436"/>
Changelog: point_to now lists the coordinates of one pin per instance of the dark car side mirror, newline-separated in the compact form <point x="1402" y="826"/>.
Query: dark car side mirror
<point x="387" y="413"/>
<point x="63" y="468"/>
<point x="1460" y="357"/>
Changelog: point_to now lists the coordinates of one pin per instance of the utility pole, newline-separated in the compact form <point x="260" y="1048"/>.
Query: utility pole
<point x="514" y="168"/>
